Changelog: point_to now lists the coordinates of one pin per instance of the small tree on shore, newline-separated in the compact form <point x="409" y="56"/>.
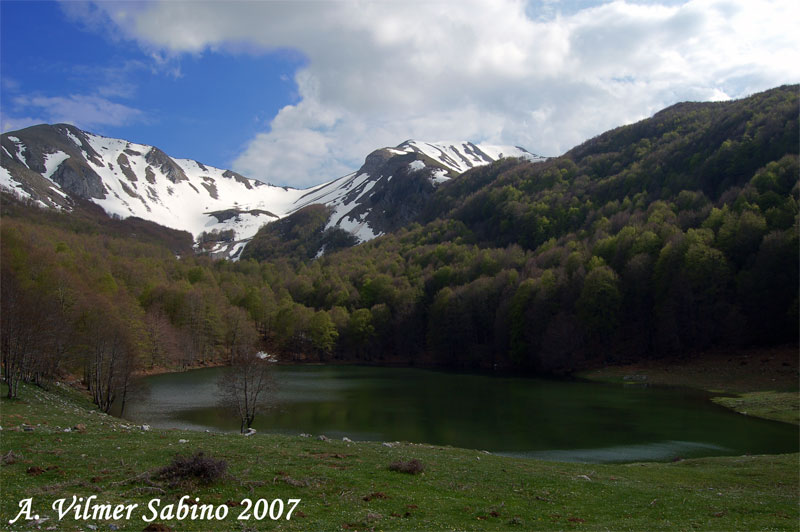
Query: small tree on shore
<point x="247" y="386"/>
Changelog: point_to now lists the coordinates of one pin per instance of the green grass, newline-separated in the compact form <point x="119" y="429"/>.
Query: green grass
<point x="780" y="406"/>
<point x="458" y="490"/>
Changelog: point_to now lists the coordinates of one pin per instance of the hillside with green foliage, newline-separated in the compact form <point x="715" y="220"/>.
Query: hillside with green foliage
<point x="667" y="236"/>
<point x="299" y="235"/>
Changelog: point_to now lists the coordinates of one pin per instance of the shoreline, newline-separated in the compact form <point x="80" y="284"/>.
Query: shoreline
<point x="357" y="483"/>
<point x="759" y="382"/>
<point x="161" y="370"/>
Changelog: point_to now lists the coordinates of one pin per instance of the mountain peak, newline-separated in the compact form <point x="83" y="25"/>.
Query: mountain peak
<point x="460" y="156"/>
<point x="54" y="165"/>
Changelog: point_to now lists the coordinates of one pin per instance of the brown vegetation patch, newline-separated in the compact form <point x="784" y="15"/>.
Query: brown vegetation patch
<point x="728" y="370"/>
<point x="412" y="467"/>
<point x="376" y="495"/>
<point x="156" y="527"/>
<point x="10" y="458"/>
<point x="329" y="455"/>
<point x="196" y="468"/>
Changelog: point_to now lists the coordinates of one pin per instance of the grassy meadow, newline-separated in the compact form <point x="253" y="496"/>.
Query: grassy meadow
<point x="352" y="486"/>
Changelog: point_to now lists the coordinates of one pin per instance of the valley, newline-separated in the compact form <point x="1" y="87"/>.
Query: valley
<point x="662" y="252"/>
<point x="382" y="266"/>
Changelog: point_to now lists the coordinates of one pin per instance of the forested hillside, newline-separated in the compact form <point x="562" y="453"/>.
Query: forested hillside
<point x="300" y="235"/>
<point x="671" y="235"/>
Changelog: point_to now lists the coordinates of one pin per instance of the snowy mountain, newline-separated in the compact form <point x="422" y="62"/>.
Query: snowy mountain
<point x="390" y="189"/>
<point x="458" y="157"/>
<point x="56" y="166"/>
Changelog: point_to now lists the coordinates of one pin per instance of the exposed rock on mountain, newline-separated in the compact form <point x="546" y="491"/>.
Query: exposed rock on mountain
<point x="54" y="165"/>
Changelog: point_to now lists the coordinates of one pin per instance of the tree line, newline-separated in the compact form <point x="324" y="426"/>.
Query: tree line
<point x="667" y="236"/>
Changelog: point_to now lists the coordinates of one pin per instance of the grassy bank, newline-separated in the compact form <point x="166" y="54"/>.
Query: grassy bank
<point x="349" y="486"/>
<point x="761" y="382"/>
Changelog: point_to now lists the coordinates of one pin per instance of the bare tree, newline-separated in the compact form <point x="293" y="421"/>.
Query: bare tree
<point x="162" y="339"/>
<point x="247" y="387"/>
<point x="18" y="331"/>
<point x="110" y="352"/>
<point x="27" y="333"/>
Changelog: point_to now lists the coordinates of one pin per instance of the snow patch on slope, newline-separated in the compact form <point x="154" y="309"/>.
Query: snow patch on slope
<point x="439" y="176"/>
<point x="7" y="182"/>
<point x="52" y="161"/>
<point x="187" y="204"/>
<point x="343" y="195"/>
<point x="415" y="166"/>
<point x="20" y="150"/>
<point x="210" y="199"/>
<point x="460" y="156"/>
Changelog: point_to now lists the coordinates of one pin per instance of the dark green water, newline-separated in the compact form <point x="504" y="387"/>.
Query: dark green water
<point x="574" y="421"/>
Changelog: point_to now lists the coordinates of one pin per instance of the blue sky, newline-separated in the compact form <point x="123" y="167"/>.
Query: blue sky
<point x="299" y="92"/>
<point x="204" y="106"/>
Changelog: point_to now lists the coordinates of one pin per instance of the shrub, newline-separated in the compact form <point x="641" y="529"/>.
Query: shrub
<point x="199" y="467"/>
<point x="412" y="467"/>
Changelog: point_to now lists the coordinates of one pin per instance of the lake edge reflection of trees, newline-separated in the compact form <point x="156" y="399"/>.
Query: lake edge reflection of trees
<point x="247" y="387"/>
<point x="671" y="235"/>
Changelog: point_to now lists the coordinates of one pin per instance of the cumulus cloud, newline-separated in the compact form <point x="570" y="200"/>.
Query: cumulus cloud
<point x="499" y="71"/>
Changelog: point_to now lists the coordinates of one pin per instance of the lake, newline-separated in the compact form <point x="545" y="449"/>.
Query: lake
<point x="525" y="417"/>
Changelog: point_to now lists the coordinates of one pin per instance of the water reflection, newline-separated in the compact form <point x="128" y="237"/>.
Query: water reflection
<point x="520" y="417"/>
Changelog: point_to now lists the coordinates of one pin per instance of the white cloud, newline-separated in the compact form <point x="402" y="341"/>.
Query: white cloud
<point x="13" y="123"/>
<point x="10" y="84"/>
<point x="92" y="109"/>
<point x="498" y="70"/>
<point x="86" y="111"/>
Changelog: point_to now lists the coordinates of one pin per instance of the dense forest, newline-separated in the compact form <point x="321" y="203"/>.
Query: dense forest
<point x="668" y="236"/>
